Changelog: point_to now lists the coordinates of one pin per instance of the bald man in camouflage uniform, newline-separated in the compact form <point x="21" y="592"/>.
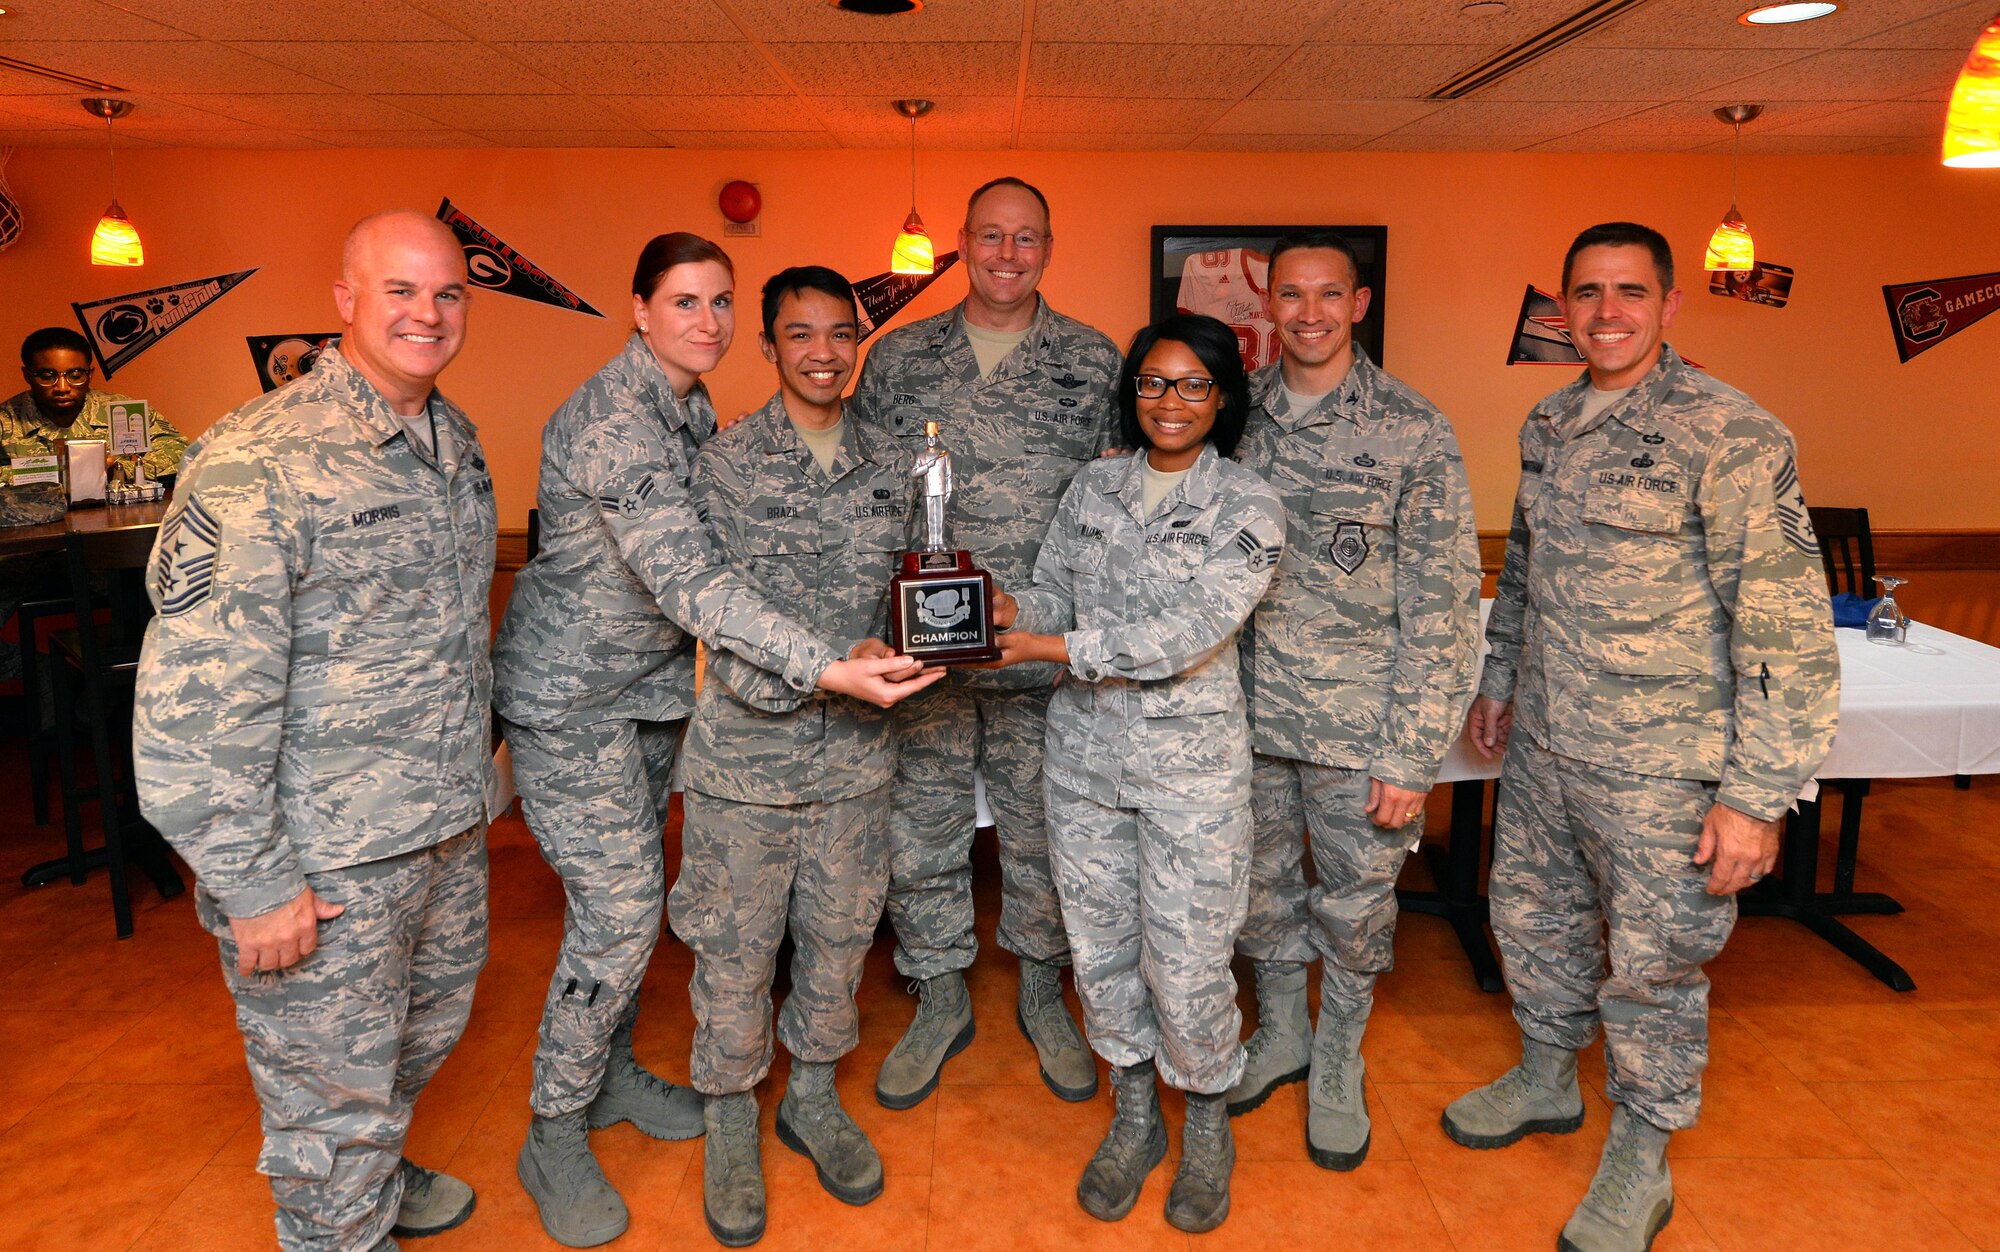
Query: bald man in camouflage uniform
<point x="1358" y="666"/>
<point x="1663" y="679"/>
<point x="312" y="733"/>
<point x="1018" y="430"/>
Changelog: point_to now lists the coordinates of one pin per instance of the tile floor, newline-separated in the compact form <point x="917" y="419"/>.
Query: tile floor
<point x="1838" y="1115"/>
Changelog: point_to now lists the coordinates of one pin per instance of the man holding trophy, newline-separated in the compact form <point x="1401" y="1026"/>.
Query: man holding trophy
<point x="1023" y="397"/>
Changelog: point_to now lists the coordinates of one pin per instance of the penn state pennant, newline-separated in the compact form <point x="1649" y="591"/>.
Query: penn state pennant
<point x="184" y="560"/>
<point x="493" y="265"/>
<point x="119" y="328"/>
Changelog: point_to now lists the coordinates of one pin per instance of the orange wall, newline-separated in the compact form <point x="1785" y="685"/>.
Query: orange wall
<point x="1914" y="442"/>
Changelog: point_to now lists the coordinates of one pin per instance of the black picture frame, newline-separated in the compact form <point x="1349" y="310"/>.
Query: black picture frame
<point x="1173" y="247"/>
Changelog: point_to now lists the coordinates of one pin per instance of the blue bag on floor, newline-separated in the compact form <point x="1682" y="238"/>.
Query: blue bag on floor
<point x="1851" y="610"/>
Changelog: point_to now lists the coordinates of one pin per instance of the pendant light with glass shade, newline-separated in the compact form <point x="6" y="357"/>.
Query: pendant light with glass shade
<point x="1730" y="247"/>
<point x="1972" y="124"/>
<point x="116" y="240"/>
<point x="913" y="253"/>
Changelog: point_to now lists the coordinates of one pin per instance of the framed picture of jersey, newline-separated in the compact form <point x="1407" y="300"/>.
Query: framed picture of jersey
<point x="1221" y="271"/>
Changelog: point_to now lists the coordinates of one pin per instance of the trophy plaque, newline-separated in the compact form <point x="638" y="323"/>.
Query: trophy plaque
<point x="940" y="606"/>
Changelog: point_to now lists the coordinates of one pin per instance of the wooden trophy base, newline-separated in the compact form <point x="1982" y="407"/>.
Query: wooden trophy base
<point x="941" y="609"/>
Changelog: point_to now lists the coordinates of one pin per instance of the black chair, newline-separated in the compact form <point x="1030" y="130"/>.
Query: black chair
<point x="97" y="663"/>
<point x="534" y="533"/>
<point x="1846" y="549"/>
<point x="29" y="618"/>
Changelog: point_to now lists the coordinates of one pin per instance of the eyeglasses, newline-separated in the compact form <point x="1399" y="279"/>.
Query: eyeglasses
<point x="47" y="378"/>
<point x="1192" y="389"/>
<point x="1025" y="240"/>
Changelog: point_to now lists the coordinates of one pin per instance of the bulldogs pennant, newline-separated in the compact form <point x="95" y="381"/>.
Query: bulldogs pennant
<point x="119" y="328"/>
<point x="1924" y="315"/>
<point x="884" y="295"/>
<point x="1541" y="335"/>
<point x="281" y="359"/>
<point x="490" y="263"/>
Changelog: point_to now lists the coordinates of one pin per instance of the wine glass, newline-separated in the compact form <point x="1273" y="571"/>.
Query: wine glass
<point x="1886" y="622"/>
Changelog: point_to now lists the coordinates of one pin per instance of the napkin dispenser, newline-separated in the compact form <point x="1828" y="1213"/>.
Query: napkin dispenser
<point x="86" y="470"/>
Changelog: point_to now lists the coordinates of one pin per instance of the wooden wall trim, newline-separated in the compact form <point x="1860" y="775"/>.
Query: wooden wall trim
<point x="1894" y="550"/>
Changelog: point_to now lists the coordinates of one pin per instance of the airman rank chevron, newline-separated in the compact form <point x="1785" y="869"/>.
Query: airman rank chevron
<point x="1260" y="555"/>
<point x="629" y="504"/>
<point x="184" y="563"/>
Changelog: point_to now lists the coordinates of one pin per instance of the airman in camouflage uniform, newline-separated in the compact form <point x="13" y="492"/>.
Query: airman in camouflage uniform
<point x="1662" y="652"/>
<point x="1018" y="432"/>
<point x="312" y="733"/>
<point x="1358" y="666"/>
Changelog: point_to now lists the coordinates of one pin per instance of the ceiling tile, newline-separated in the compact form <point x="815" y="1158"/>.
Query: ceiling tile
<point x="1440" y="22"/>
<point x="1104" y="69"/>
<point x="1955" y="28"/>
<point x="726" y="140"/>
<point x="233" y="20"/>
<point x="79" y="19"/>
<point x="945" y="141"/>
<point x="885" y="71"/>
<point x="1853" y="75"/>
<point x="1629" y="73"/>
<point x="720" y="112"/>
<point x="948" y="22"/>
<point x="673" y="69"/>
<point x="51" y="137"/>
<point x="1613" y="139"/>
<point x="503" y="112"/>
<point x="402" y="137"/>
<point x="1510" y="124"/>
<point x="1333" y="117"/>
<point x="431" y="68"/>
<point x="1278" y="143"/>
<point x="1686" y="124"/>
<point x="953" y="115"/>
<point x="1787" y="144"/>
<point x="149" y="113"/>
<point x="315" y="112"/>
<point x="568" y="138"/>
<point x="1903" y="147"/>
<point x="1356" y="72"/>
<point x="1404" y="141"/>
<point x="1111" y="118"/>
<point x="1182" y="25"/>
<point x="253" y="138"/>
<point x="1893" y="119"/>
<point x="683" y="21"/>
<point x="1713" y="24"/>
<point x="169" y="68"/>
<point x="1100" y="141"/>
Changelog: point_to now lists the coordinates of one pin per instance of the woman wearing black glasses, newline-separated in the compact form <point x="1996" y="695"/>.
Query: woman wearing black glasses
<point x="1151" y="566"/>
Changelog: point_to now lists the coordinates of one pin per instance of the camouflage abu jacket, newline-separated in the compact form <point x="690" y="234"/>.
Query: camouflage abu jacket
<point x="315" y="691"/>
<point x="1016" y="438"/>
<point x="1361" y="654"/>
<point x="602" y="623"/>
<point x="824" y="546"/>
<point x="1149" y="608"/>
<point x="1662" y="608"/>
<point x="23" y="434"/>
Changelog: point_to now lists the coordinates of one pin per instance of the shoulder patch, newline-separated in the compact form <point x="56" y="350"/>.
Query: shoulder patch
<point x="1258" y="554"/>
<point x="632" y="502"/>
<point x="1793" y="519"/>
<point x="184" y="566"/>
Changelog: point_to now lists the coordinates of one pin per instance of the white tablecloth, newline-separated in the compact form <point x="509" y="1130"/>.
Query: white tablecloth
<point x="1927" y="709"/>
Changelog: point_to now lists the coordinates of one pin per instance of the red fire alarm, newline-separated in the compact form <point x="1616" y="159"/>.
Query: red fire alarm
<point x="740" y="203"/>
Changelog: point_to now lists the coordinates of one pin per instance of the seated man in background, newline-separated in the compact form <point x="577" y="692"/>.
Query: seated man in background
<point x="61" y="404"/>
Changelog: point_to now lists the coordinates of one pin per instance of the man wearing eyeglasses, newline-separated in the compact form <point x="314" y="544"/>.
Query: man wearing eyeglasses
<point x="1023" y="397"/>
<point x="61" y="404"/>
<point x="1358" y="666"/>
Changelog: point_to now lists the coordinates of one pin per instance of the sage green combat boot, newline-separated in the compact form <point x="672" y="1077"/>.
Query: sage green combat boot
<point x="1632" y="1197"/>
<point x="1538" y="1096"/>
<point x="1279" y="1049"/>
<point x="1337" y="1129"/>
<point x="812" y="1123"/>
<point x="1068" y="1068"/>
<point x="632" y="1093"/>
<point x="578" y="1205"/>
<point x="732" y="1170"/>
<point x="1134" y="1145"/>
<point x="942" y="1030"/>
<point x="1200" y="1197"/>
<point x="432" y="1202"/>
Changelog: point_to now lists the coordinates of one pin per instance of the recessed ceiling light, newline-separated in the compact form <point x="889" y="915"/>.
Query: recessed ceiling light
<point x="1483" y="8"/>
<point x="879" y="8"/>
<point x="1786" y="14"/>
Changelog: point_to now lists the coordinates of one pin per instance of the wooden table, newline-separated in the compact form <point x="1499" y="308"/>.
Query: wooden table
<point x="84" y="519"/>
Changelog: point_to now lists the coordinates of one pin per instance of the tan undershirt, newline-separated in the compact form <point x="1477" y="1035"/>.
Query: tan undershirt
<point x="1595" y="402"/>
<point x="992" y="346"/>
<point x="1154" y="485"/>
<point x="821" y="443"/>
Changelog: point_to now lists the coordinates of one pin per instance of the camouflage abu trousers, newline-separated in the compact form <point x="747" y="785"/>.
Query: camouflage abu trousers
<point x="1579" y="850"/>
<point x="1349" y="915"/>
<point x="1153" y="901"/>
<point x="748" y="873"/>
<point x="340" y="1044"/>
<point x="595" y="797"/>
<point x="942" y="736"/>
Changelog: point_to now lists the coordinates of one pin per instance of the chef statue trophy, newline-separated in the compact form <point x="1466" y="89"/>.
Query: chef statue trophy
<point x="940" y="607"/>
